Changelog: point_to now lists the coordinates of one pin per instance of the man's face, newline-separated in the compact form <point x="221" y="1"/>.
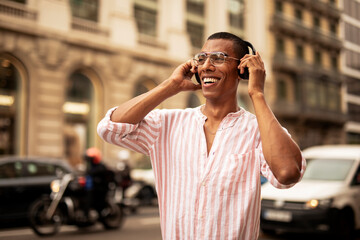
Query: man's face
<point x="219" y="82"/>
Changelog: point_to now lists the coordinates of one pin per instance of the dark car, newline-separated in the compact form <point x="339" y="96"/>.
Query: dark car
<point x="22" y="181"/>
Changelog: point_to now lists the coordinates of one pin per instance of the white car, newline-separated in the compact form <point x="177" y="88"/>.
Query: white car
<point x="326" y="200"/>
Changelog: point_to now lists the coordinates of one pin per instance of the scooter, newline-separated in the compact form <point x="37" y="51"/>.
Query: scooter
<point x="65" y="206"/>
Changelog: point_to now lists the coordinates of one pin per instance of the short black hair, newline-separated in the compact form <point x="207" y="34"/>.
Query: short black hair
<point x="240" y="47"/>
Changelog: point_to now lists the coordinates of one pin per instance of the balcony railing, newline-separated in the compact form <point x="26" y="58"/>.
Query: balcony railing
<point x="326" y="8"/>
<point x="83" y="25"/>
<point x="285" y="64"/>
<point x="17" y="10"/>
<point x="300" y="110"/>
<point x="323" y="38"/>
<point x="282" y="23"/>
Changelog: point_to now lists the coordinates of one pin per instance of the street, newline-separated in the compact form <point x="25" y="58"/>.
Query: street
<point x="142" y="225"/>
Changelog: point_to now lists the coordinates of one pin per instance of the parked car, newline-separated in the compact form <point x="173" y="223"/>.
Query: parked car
<point x="326" y="200"/>
<point x="22" y="181"/>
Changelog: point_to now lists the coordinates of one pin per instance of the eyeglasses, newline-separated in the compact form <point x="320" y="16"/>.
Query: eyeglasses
<point x="216" y="58"/>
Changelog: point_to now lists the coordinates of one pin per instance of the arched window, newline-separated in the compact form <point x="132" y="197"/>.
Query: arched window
<point x="79" y="116"/>
<point x="11" y="98"/>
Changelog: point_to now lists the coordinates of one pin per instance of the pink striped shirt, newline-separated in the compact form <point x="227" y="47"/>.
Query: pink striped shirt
<point x="201" y="195"/>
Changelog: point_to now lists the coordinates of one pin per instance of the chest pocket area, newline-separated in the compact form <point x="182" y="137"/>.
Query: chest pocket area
<point x="235" y="174"/>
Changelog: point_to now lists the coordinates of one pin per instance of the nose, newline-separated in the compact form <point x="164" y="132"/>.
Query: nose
<point x="208" y="65"/>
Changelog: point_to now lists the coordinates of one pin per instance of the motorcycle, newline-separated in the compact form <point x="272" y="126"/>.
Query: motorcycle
<point x="65" y="206"/>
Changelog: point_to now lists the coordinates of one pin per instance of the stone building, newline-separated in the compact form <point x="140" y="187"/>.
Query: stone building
<point x="308" y="84"/>
<point x="63" y="63"/>
<point x="351" y="67"/>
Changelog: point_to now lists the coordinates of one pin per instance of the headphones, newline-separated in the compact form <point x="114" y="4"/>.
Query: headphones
<point x="245" y="75"/>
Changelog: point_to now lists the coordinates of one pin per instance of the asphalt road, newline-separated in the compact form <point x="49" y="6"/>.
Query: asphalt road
<point x="144" y="224"/>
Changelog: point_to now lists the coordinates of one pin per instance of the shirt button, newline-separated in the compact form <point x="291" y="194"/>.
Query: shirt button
<point x="204" y="184"/>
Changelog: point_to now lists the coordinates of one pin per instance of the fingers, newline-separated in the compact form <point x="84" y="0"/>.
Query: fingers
<point x="250" y="60"/>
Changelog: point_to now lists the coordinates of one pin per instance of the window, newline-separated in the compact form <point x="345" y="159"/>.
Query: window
<point x="279" y="6"/>
<point x="236" y="13"/>
<point x="79" y="110"/>
<point x="298" y="14"/>
<point x="356" y="178"/>
<point x="317" y="58"/>
<point x="353" y="138"/>
<point x="333" y="97"/>
<point x="322" y="94"/>
<point x="300" y="51"/>
<point x="333" y="28"/>
<point x="311" y="93"/>
<point x="196" y="32"/>
<point x="280" y="45"/>
<point x="281" y="89"/>
<point x="352" y="59"/>
<point x="195" y="22"/>
<point x="146" y="17"/>
<point x="334" y="63"/>
<point x="353" y="85"/>
<point x="328" y="169"/>
<point x="316" y="22"/>
<point x="42" y="169"/>
<point x="195" y="7"/>
<point x="11" y="170"/>
<point x="332" y="2"/>
<point x="85" y="9"/>
<point x="354" y="112"/>
<point x="10" y="100"/>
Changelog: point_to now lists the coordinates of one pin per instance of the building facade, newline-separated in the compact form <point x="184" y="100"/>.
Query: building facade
<point x="306" y="71"/>
<point x="351" y="67"/>
<point x="63" y="63"/>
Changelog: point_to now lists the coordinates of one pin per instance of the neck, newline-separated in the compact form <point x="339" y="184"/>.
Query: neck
<point x="218" y="111"/>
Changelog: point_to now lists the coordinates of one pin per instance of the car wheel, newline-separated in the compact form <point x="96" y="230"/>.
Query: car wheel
<point x="345" y="228"/>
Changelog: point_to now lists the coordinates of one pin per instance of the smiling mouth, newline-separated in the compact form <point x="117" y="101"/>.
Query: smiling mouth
<point x="210" y="80"/>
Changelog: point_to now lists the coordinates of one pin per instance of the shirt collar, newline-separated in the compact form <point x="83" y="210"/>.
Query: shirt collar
<point x="229" y="120"/>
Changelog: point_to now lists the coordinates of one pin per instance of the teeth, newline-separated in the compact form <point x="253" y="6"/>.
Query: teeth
<point x="210" y="80"/>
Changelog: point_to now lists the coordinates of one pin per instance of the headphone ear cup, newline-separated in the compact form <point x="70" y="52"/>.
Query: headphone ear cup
<point x="197" y="78"/>
<point x="245" y="75"/>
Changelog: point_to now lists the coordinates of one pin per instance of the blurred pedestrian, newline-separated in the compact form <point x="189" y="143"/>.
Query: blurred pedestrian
<point x="208" y="160"/>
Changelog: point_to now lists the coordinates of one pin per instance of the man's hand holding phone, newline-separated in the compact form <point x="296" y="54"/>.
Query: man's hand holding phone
<point x="181" y="77"/>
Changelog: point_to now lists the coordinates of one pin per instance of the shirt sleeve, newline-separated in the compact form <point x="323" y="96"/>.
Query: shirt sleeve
<point x="137" y="137"/>
<point x="266" y="171"/>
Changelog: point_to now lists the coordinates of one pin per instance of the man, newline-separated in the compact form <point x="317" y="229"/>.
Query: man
<point x="207" y="160"/>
